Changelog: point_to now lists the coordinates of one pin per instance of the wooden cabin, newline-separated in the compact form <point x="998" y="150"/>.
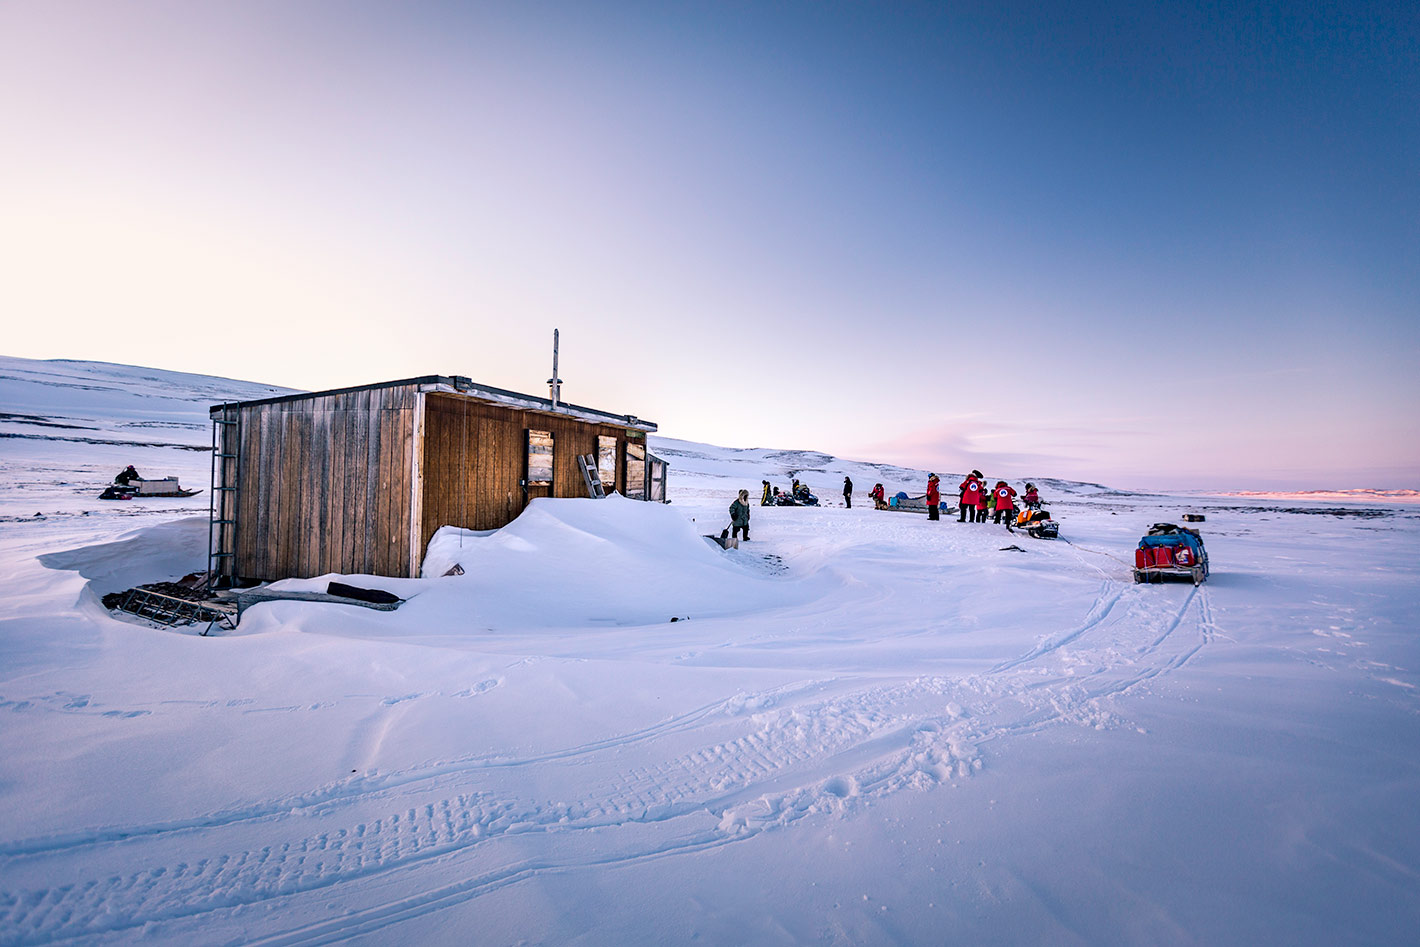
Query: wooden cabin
<point x="357" y="480"/>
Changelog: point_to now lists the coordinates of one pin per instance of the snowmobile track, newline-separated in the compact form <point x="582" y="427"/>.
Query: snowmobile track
<point x="811" y="748"/>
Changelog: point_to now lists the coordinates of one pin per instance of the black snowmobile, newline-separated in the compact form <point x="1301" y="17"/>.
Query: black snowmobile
<point x="1037" y="523"/>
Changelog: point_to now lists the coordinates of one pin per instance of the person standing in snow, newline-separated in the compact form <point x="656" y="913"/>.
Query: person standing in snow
<point x="879" y="503"/>
<point x="970" y="495"/>
<point x="983" y="501"/>
<point x="739" y="515"/>
<point x="1005" y="496"/>
<point x="934" y="498"/>
<point x="848" y="493"/>
<point x="765" y="498"/>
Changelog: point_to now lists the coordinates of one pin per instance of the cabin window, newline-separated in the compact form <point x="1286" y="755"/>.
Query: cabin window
<point x="540" y="457"/>
<point x="606" y="461"/>
<point x="635" y="470"/>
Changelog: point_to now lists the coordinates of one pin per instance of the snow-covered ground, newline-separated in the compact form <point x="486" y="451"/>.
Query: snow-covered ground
<point x="859" y="728"/>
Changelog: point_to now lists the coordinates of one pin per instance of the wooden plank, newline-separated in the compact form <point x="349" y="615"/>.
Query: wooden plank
<point x="397" y="499"/>
<point x="247" y="521"/>
<point x="386" y="534"/>
<point x="335" y="477"/>
<point x="268" y="501"/>
<point x="416" y="486"/>
<point x="355" y="479"/>
<point x="372" y="484"/>
<point x="319" y="503"/>
<point x="287" y="449"/>
<point x="400" y="472"/>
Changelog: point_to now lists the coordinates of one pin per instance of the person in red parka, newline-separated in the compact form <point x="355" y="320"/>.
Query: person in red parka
<point x="970" y="495"/>
<point x="934" y="498"/>
<point x="1005" y="501"/>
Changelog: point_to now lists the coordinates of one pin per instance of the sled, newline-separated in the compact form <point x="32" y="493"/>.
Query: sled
<point x="903" y="503"/>
<point x="1170" y="552"/>
<point x="166" y="487"/>
<point x="145" y="489"/>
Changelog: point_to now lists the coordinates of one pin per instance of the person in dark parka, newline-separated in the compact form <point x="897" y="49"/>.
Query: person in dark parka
<point x="848" y="493"/>
<point x="739" y="515"/>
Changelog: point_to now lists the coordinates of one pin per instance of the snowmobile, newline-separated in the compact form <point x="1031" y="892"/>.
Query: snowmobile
<point x="1167" y="551"/>
<point x="801" y="497"/>
<point x="1037" y="523"/>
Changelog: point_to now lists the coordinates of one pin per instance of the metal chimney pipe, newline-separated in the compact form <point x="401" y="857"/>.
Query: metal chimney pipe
<point x="554" y="383"/>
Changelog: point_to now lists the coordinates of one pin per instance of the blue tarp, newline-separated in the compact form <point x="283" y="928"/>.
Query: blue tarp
<point x="1173" y="539"/>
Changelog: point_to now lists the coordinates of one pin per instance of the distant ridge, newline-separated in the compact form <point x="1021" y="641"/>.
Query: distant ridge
<point x="1364" y="493"/>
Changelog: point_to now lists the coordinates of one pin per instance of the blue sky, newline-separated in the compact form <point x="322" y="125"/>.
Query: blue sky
<point x="1155" y="245"/>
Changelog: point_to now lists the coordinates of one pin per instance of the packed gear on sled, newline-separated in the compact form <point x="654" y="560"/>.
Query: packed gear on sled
<point x="1168" y="551"/>
<point x="142" y="489"/>
<point x="908" y="504"/>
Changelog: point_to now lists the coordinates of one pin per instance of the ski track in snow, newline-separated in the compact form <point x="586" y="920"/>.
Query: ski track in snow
<point x="813" y="748"/>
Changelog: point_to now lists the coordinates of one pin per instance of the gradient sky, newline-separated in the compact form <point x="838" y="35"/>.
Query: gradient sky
<point x="1151" y="245"/>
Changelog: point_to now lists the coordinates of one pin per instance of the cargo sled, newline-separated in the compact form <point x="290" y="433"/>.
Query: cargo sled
<point x="909" y="504"/>
<point x="1170" y="552"/>
<point x="143" y="489"/>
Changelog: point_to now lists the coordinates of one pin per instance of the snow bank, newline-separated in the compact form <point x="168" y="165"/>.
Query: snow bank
<point x="573" y="563"/>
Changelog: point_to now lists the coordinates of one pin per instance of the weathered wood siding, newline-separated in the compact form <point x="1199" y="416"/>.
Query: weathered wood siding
<point x="473" y="460"/>
<point x="326" y="485"/>
<point x="357" y="482"/>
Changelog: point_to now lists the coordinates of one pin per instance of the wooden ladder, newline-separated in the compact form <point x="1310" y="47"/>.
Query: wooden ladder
<point x="590" y="476"/>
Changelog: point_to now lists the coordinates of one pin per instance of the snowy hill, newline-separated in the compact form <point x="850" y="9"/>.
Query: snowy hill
<point x="860" y="727"/>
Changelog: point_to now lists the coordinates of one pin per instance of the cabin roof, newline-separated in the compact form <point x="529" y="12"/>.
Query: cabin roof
<point x="460" y="385"/>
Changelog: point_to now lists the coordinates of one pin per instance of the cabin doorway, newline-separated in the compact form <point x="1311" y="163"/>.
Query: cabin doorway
<point x="538" y="459"/>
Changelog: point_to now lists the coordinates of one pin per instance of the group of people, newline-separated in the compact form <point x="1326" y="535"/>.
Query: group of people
<point x="976" y="502"/>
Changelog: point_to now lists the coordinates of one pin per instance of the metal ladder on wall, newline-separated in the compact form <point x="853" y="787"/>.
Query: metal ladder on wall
<point x="591" y="476"/>
<point x="222" y="499"/>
